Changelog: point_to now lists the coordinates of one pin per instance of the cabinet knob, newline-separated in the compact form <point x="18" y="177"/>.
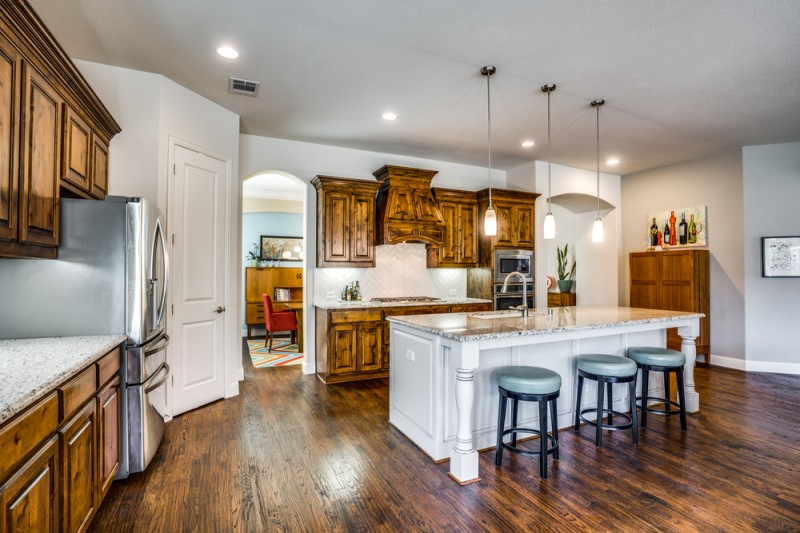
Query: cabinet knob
<point x="220" y="309"/>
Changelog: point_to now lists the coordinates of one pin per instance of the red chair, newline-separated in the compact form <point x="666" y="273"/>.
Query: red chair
<point x="278" y="321"/>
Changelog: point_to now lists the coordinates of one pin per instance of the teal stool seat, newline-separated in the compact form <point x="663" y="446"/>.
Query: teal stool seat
<point x="657" y="359"/>
<point x="606" y="370"/>
<point x="654" y="356"/>
<point x="528" y="379"/>
<point x="528" y="384"/>
<point x="606" y="365"/>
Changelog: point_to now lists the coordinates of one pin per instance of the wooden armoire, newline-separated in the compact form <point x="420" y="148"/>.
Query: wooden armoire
<point x="675" y="280"/>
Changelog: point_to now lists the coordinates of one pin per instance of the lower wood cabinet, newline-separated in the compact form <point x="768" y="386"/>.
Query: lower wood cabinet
<point x="78" y="473"/>
<point x="354" y="344"/>
<point x="29" y="500"/>
<point x="59" y="456"/>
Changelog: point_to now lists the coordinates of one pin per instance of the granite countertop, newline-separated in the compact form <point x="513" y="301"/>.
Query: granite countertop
<point x="30" y="368"/>
<point x="365" y="304"/>
<point x="469" y="327"/>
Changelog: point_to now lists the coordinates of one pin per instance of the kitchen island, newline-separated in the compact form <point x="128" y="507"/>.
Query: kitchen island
<point x="441" y="392"/>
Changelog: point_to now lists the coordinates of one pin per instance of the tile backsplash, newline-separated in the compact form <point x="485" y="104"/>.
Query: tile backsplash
<point x="399" y="271"/>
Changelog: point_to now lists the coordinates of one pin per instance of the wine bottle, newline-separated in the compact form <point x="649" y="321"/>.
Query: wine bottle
<point x="692" y="230"/>
<point x="673" y="234"/>
<point x="654" y="234"/>
<point x="666" y="234"/>
<point x="683" y="230"/>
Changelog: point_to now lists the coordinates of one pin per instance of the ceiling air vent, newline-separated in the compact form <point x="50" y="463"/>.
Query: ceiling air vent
<point x="240" y="86"/>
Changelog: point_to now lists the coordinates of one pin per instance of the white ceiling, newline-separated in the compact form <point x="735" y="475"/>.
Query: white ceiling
<point x="273" y="186"/>
<point x="682" y="79"/>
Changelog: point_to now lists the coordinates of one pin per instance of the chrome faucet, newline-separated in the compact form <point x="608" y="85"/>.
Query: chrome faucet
<point x="524" y="306"/>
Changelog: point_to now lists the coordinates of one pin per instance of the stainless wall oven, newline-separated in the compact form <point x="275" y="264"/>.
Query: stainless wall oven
<point x="512" y="297"/>
<point x="508" y="261"/>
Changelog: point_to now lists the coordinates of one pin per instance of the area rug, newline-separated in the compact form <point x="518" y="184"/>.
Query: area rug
<point x="283" y="353"/>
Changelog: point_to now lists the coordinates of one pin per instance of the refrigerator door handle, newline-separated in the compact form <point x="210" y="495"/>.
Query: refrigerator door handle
<point x="158" y="233"/>
<point x="160" y="345"/>
<point x="161" y="381"/>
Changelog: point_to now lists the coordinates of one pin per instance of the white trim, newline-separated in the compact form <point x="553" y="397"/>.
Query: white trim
<point x="773" y="367"/>
<point x="728" y="362"/>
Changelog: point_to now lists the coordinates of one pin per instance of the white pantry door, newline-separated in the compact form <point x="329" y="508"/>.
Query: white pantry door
<point x="198" y="215"/>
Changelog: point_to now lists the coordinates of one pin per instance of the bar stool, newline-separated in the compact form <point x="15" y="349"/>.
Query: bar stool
<point x="660" y="360"/>
<point x="529" y="384"/>
<point x="606" y="370"/>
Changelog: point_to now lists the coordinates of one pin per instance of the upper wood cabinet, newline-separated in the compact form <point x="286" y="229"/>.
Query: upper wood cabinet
<point x="54" y="135"/>
<point x="515" y="222"/>
<point x="345" y="222"/>
<point x="459" y="246"/>
<point x="676" y="281"/>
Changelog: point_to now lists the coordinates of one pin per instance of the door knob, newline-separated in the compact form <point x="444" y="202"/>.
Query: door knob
<point x="220" y="309"/>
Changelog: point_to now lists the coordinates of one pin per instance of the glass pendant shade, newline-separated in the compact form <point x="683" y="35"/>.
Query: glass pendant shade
<point x="597" y="230"/>
<point x="549" y="226"/>
<point x="490" y="222"/>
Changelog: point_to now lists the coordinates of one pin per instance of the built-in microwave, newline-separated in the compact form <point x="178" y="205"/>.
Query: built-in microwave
<point x="508" y="261"/>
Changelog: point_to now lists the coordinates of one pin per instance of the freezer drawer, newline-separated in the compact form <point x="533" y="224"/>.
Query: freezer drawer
<point x="145" y="422"/>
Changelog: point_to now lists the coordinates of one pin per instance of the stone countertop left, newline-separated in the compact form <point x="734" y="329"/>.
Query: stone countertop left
<point x="30" y="368"/>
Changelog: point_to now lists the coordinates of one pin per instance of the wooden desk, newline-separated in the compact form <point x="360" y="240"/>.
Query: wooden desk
<point x="297" y="307"/>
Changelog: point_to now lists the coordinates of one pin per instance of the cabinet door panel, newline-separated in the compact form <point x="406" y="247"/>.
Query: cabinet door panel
<point x="29" y="500"/>
<point x="78" y="473"/>
<point x="448" y="248"/>
<point x="362" y="228"/>
<point x="108" y="438"/>
<point x="369" y="347"/>
<point x="337" y="235"/>
<point x="505" y="225"/>
<point x="99" y="168"/>
<point x="523" y="226"/>
<point x="41" y="163"/>
<point x="9" y="139"/>
<point x="77" y="147"/>
<point x="343" y="355"/>
<point x="468" y="237"/>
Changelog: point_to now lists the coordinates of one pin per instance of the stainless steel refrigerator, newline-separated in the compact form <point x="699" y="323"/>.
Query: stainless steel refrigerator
<point x="111" y="276"/>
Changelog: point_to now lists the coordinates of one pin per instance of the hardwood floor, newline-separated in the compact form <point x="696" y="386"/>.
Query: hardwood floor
<point x="290" y="453"/>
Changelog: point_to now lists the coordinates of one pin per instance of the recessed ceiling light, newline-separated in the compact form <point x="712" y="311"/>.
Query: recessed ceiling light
<point x="613" y="161"/>
<point x="527" y="144"/>
<point x="227" y="52"/>
<point x="389" y="116"/>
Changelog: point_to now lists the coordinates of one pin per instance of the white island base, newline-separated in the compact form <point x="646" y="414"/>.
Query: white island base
<point x="442" y="394"/>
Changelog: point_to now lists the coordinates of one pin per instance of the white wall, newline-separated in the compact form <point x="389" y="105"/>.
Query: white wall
<point x="714" y="181"/>
<point x="596" y="275"/>
<point x="771" y="176"/>
<point x="152" y="111"/>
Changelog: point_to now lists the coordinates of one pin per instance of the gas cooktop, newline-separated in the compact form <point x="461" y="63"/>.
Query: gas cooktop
<point x="406" y="299"/>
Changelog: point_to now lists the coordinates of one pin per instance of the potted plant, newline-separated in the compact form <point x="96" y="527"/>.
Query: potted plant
<point x="565" y="274"/>
<point x="252" y="256"/>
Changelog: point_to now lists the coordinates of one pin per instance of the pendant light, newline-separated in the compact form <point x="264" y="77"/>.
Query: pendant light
<point x="597" y="228"/>
<point x="490" y="219"/>
<point x="549" y="219"/>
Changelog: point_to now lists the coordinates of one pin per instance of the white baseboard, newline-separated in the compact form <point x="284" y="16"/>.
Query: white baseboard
<point x="756" y="366"/>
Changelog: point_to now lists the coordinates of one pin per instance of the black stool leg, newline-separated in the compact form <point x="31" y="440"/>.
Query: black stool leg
<point x="681" y="397"/>
<point x="543" y="439"/>
<point x="514" y="408"/>
<point x="554" y="423"/>
<point x="609" y="401"/>
<point x="634" y="427"/>
<point x="578" y="405"/>
<point x="598" y="436"/>
<point x="667" y="394"/>
<point x="501" y="419"/>
<point x="645" y="391"/>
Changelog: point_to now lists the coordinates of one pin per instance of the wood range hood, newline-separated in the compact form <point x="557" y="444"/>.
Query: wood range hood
<point x="406" y="208"/>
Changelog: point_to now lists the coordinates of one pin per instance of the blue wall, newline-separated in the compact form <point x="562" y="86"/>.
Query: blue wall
<point x="254" y="225"/>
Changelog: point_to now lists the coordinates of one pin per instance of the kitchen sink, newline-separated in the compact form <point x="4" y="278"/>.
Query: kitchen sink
<point x="496" y="314"/>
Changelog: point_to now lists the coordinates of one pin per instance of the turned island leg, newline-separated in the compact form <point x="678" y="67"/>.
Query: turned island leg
<point x="464" y="459"/>
<point x="689" y="348"/>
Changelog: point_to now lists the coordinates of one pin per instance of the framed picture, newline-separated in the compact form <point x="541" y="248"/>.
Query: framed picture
<point x="780" y="257"/>
<point x="690" y="228"/>
<point x="281" y="248"/>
